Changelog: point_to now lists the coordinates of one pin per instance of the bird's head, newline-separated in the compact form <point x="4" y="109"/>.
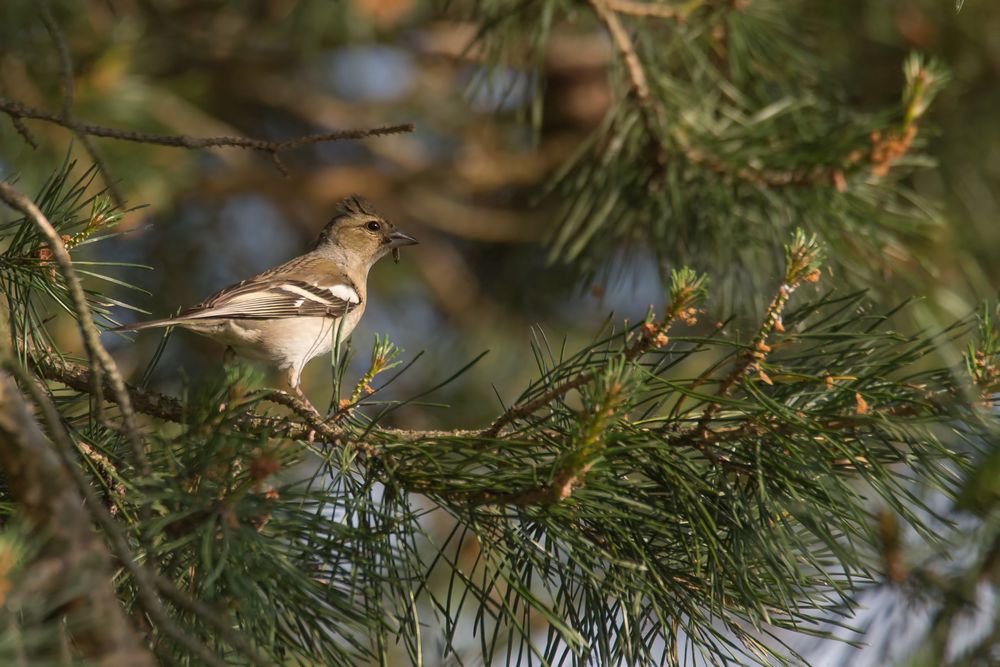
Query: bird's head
<point x="358" y="230"/>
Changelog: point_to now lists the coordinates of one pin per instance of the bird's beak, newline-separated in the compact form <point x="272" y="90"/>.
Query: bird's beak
<point x="397" y="240"/>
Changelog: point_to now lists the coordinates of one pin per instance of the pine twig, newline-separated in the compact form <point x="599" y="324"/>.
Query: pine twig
<point x="100" y="361"/>
<point x="652" y="116"/>
<point x="80" y="378"/>
<point x="686" y="288"/>
<point x="20" y="111"/>
<point x="752" y="355"/>
<point x="607" y="12"/>
<point x="168" y="408"/>
<point x="23" y="131"/>
<point x="572" y="468"/>
<point x="144" y="578"/>
<point x="802" y="257"/>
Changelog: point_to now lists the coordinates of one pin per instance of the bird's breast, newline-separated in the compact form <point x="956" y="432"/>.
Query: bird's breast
<point x="296" y="340"/>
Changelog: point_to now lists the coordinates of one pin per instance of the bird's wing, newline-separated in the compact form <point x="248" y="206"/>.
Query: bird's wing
<point x="296" y="289"/>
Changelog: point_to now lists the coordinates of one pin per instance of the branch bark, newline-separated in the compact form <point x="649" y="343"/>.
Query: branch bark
<point x="168" y="408"/>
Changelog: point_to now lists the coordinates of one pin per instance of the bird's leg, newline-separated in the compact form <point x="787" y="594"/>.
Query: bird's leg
<point x="302" y="397"/>
<point x="229" y="356"/>
<point x="291" y="381"/>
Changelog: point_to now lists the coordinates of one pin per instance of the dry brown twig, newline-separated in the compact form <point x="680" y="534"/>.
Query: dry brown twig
<point x="18" y="111"/>
<point x="652" y="114"/>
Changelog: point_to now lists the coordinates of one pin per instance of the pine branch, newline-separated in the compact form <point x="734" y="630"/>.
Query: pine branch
<point x="101" y="362"/>
<point x="687" y="287"/>
<point x="802" y="258"/>
<point x="168" y="408"/>
<point x="652" y="114"/>
<point x="146" y="580"/>
<point x="74" y="557"/>
<point x="79" y="378"/>
<point x="18" y="111"/>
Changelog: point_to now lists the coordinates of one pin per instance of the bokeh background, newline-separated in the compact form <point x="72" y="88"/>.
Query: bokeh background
<point x="469" y="182"/>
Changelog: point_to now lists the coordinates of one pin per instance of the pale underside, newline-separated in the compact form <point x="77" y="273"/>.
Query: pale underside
<point x="287" y="343"/>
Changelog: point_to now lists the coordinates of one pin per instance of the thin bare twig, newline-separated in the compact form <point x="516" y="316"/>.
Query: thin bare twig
<point x="23" y="131"/>
<point x="272" y="148"/>
<point x="100" y="361"/>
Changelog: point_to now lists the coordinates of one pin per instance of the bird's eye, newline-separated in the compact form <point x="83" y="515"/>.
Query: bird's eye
<point x="374" y="226"/>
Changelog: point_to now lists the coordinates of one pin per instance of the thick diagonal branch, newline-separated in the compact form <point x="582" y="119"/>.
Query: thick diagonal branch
<point x="72" y="557"/>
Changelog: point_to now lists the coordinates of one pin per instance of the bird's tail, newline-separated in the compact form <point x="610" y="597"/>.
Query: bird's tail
<point x="150" y="324"/>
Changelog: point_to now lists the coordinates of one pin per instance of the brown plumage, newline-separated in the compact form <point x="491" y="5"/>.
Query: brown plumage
<point x="288" y="315"/>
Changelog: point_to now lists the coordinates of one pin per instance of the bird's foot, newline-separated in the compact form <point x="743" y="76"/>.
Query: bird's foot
<point x="299" y="394"/>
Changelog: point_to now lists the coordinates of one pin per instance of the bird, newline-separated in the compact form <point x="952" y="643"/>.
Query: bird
<point x="288" y="315"/>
